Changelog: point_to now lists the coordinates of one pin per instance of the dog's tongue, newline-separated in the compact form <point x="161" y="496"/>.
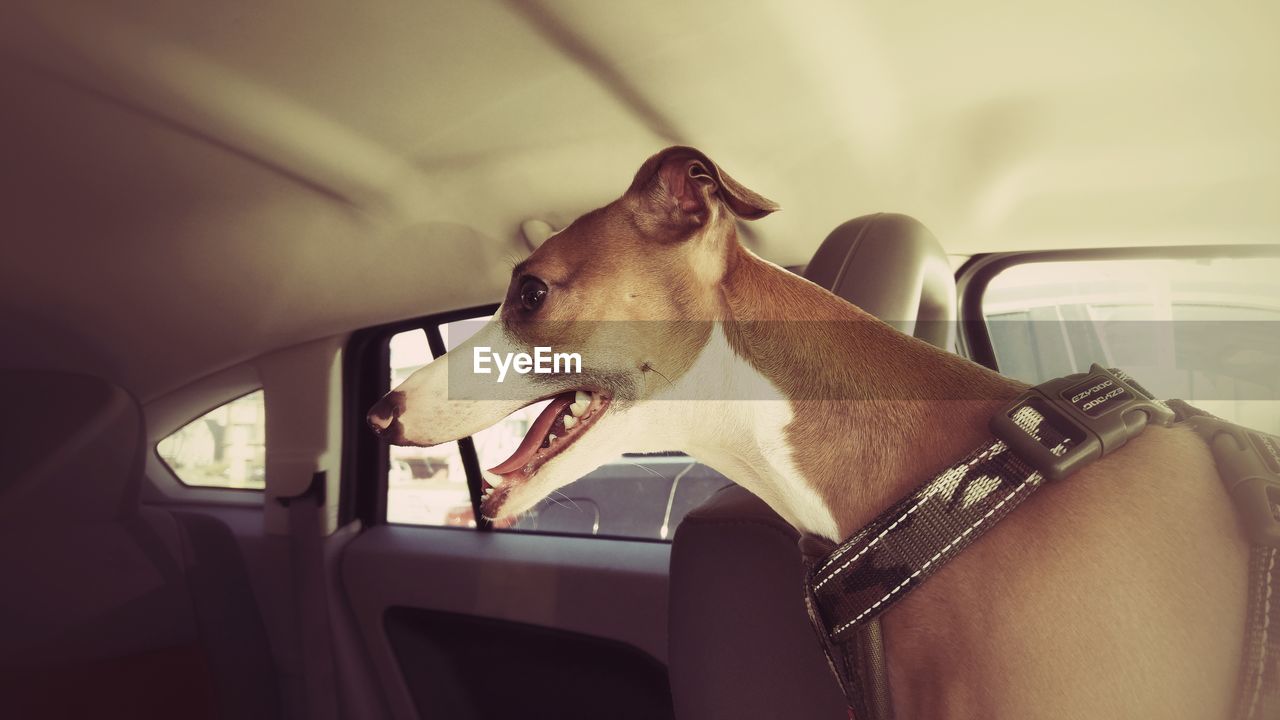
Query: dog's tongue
<point x="533" y="440"/>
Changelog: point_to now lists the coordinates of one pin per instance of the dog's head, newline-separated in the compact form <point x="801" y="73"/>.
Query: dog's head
<point x="630" y="289"/>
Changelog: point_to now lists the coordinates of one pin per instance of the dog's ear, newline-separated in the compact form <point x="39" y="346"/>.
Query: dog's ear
<point x="680" y="183"/>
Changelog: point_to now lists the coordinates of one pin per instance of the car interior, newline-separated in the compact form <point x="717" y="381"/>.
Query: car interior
<point x="231" y="227"/>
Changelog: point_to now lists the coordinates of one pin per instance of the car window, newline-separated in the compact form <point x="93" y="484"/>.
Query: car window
<point x="1206" y="330"/>
<point x="224" y="448"/>
<point x="425" y="486"/>
<point x="632" y="496"/>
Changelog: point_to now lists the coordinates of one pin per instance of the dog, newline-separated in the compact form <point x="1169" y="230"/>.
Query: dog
<point x="1118" y="593"/>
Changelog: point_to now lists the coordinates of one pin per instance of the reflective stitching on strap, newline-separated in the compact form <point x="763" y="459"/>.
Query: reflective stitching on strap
<point x="1262" y="645"/>
<point x="897" y="557"/>
<point x="995" y="449"/>
<point x="940" y="553"/>
<point x="1030" y="421"/>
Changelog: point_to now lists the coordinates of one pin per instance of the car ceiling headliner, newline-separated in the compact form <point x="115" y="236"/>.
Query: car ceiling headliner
<point x="189" y="185"/>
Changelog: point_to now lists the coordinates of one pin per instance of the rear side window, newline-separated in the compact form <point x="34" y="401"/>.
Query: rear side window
<point x="633" y="496"/>
<point x="224" y="448"/>
<point x="1206" y="330"/>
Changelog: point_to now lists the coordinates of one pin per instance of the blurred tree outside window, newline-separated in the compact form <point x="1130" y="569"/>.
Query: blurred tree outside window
<point x="224" y="448"/>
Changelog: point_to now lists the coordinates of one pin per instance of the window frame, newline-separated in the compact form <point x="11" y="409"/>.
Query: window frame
<point x="975" y="275"/>
<point x="155" y="447"/>
<point x="366" y="377"/>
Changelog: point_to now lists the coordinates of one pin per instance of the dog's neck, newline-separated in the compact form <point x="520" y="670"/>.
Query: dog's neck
<point x="860" y="412"/>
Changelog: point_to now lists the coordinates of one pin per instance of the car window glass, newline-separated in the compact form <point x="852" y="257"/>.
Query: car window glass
<point x="425" y="486"/>
<point x="632" y="496"/>
<point x="1206" y="330"/>
<point x="224" y="448"/>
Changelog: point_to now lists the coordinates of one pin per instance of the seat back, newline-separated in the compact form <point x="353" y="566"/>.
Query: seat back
<point x="740" y="645"/>
<point x="891" y="266"/>
<point x="108" y="608"/>
<point x="94" y="613"/>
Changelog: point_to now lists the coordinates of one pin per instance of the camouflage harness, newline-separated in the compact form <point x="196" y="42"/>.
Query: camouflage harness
<point x="1048" y="433"/>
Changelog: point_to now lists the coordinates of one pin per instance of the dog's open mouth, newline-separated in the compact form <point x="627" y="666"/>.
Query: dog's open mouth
<point x="558" y="426"/>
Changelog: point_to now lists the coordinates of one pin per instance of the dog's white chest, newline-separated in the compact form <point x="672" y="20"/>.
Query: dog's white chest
<point x="727" y="414"/>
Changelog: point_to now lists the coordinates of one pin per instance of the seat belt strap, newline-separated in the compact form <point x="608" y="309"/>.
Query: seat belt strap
<point x="310" y="594"/>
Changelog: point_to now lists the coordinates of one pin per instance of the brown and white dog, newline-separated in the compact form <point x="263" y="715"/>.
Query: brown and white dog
<point x="1119" y="593"/>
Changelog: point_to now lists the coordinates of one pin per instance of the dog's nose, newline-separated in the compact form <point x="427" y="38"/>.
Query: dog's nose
<point x="384" y="412"/>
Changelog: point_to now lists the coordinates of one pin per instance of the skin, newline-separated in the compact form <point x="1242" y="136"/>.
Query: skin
<point x="1117" y="594"/>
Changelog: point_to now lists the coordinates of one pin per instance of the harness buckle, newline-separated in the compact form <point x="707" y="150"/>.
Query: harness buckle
<point x="1249" y="464"/>
<point x="1062" y="425"/>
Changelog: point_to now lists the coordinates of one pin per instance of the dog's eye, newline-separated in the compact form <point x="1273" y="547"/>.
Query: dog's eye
<point x="532" y="293"/>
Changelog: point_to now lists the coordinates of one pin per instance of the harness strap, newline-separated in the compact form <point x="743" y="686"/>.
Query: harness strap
<point x="1249" y="463"/>
<point x="1259" y="694"/>
<point x="914" y="538"/>
<point x="1048" y="433"/>
<point x="860" y="659"/>
<point x="848" y="588"/>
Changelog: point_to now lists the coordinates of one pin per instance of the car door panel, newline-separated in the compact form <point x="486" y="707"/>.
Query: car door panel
<point x="600" y="601"/>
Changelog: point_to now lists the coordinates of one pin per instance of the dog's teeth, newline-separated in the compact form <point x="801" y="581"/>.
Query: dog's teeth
<point x="582" y="396"/>
<point x="494" y="481"/>
<point x="578" y="408"/>
<point x="552" y="437"/>
<point x="570" y="421"/>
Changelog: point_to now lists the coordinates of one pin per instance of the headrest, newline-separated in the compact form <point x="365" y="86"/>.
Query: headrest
<point x="70" y="445"/>
<point x="891" y="266"/>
